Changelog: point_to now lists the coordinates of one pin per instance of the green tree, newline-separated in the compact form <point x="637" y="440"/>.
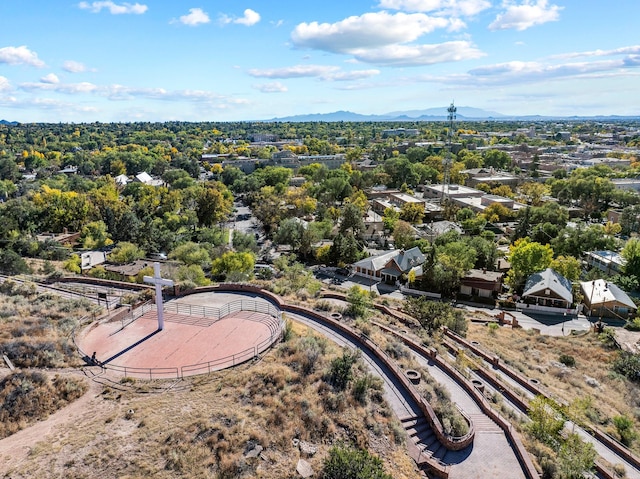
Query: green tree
<point x="567" y="266"/>
<point x="191" y="253"/>
<point x="214" y="204"/>
<point x="630" y="219"/>
<point x="244" y="242"/>
<point x="126" y="252"/>
<point x="403" y="235"/>
<point x="575" y="458"/>
<point x="290" y="232"/>
<point x="546" y="420"/>
<point x="95" y="235"/>
<point x="351" y="220"/>
<point x="345" y="462"/>
<point x="412" y="212"/>
<point x="497" y="159"/>
<point x="360" y="302"/>
<point x="234" y="266"/>
<point x="527" y="257"/>
<point x="389" y="218"/>
<point x="631" y="254"/>
<point x="191" y="275"/>
<point x="432" y="315"/>
<point x="12" y="263"/>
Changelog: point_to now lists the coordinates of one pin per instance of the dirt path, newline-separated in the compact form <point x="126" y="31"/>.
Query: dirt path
<point x="15" y="448"/>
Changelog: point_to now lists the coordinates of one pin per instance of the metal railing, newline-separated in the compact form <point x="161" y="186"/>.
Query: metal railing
<point x="275" y="324"/>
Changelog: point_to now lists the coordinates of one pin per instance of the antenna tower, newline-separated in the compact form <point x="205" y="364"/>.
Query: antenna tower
<point x="448" y="160"/>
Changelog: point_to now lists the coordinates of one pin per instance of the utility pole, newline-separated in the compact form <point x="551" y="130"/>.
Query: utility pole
<point x="448" y="160"/>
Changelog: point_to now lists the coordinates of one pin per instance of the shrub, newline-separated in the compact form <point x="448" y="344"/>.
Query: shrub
<point x="567" y="360"/>
<point x="340" y="372"/>
<point x="624" y="427"/>
<point x="346" y="462"/>
<point x="628" y="365"/>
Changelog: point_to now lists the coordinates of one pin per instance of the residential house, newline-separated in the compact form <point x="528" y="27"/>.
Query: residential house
<point x="481" y="283"/>
<point x="147" y="179"/>
<point x="606" y="300"/>
<point x="609" y="262"/>
<point x="548" y="288"/>
<point x="390" y="266"/>
<point x="89" y="259"/>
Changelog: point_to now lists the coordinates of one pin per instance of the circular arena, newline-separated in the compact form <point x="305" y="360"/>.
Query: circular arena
<point x="202" y="332"/>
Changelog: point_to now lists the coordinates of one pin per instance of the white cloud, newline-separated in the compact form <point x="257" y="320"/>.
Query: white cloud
<point x="630" y="50"/>
<point x="68" y="88"/>
<point x="196" y="16"/>
<point x="525" y="15"/>
<point x="443" y="7"/>
<point x="50" y="78"/>
<point x="74" y="67"/>
<point x="297" y="71"/>
<point x="273" y="87"/>
<point x="4" y="84"/>
<point x="117" y="92"/>
<point x="114" y="8"/>
<point x="322" y="72"/>
<point x="416" y="55"/>
<point x="352" y="75"/>
<point x="370" y="30"/>
<point x="250" y="18"/>
<point x="20" y="56"/>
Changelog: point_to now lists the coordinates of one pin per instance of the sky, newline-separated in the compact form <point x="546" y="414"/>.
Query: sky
<point x="243" y="60"/>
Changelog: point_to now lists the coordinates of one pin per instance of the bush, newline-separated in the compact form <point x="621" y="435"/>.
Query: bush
<point x="628" y="365"/>
<point x="567" y="360"/>
<point x="340" y="372"/>
<point x="346" y="462"/>
<point x="624" y="427"/>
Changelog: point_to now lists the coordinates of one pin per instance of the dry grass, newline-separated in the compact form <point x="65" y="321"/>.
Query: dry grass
<point x="203" y="427"/>
<point x="35" y="329"/>
<point x="26" y="397"/>
<point x="537" y="357"/>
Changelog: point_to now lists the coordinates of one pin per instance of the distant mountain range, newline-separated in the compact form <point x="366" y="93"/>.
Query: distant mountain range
<point x="463" y="113"/>
<point x="5" y="122"/>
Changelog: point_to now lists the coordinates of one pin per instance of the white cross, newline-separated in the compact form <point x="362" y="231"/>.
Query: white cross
<point x="159" y="282"/>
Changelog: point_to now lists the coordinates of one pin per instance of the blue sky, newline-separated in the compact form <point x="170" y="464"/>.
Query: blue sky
<point x="157" y="60"/>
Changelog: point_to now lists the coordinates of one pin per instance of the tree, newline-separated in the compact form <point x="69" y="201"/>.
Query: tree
<point x="244" y="242"/>
<point x="631" y="253"/>
<point x="95" y="235"/>
<point x="351" y="220"/>
<point x="214" y="204"/>
<point x="546" y="420"/>
<point x="345" y="462"/>
<point x="533" y="191"/>
<point x="403" y="235"/>
<point x="630" y="219"/>
<point x="192" y="274"/>
<point x="12" y="263"/>
<point x="575" y="458"/>
<point x="126" y="252"/>
<point x="432" y="315"/>
<point x="389" y="218"/>
<point x="567" y="266"/>
<point x="497" y="159"/>
<point x="412" y="212"/>
<point x="496" y="212"/>
<point x="359" y="302"/>
<point x="290" y="233"/>
<point x="527" y="257"/>
<point x="234" y="266"/>
<point x="191" y="253"/>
